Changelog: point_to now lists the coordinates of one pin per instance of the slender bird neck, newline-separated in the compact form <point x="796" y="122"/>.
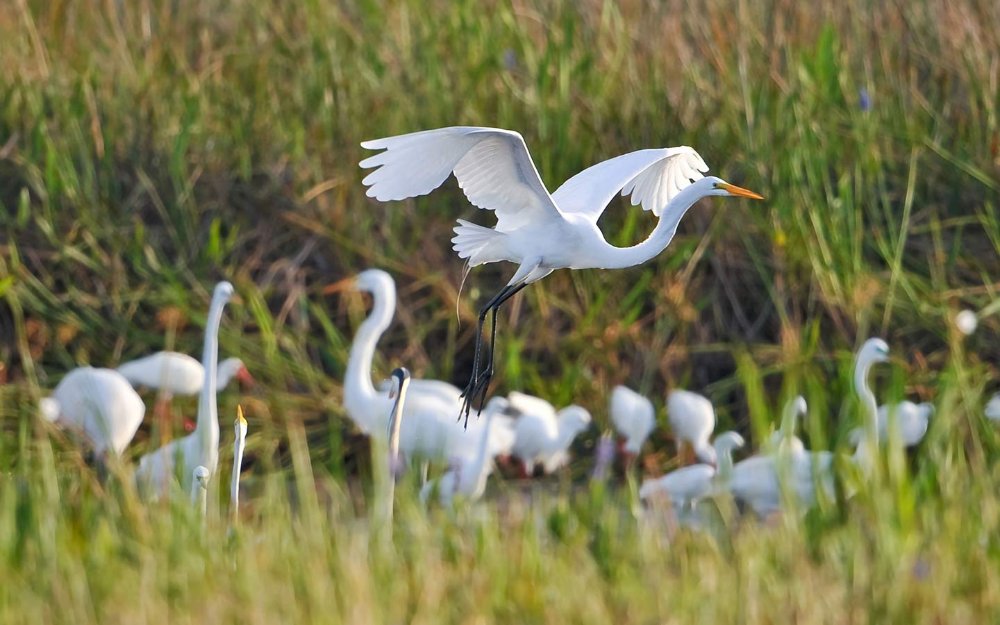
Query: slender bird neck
<point x="867" y="398"/>
<point x="234" y="487"/>
<point x="612" y="257"/>
<point x="725" y="463"/>
<point x="207" y="427"/>
<point x="396" y="423"/>
<point x="359" y="392"/>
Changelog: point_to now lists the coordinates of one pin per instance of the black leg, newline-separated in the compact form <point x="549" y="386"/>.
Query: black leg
<point x="486" y="376"/>
<point x="470" y="388"/>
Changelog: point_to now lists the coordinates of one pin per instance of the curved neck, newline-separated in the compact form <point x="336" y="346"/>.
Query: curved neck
<point x="207" y="428"/>
<point x="867" y="397"/>
<point x="725" y="460"/>
<point x="611" y="257"/>
<point x="395" y="424"/>
<point x="359" y="392"/>
<point x="234" y="487"/>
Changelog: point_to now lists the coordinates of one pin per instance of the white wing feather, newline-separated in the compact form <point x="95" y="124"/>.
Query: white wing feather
<point x="652" y="177"/>
<point x="492" y="167"/>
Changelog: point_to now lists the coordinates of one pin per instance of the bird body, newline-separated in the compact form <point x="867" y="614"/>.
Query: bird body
<point x="633" y="417"/>
<point x="200" y="447"/>
<point x="538" y="231"/>
<point x="179" y="374"/>
<point x="542" y="435"/>
<point x="907" y="419"/>
<point x="685" y="486"/>
<point x="98" y="403"/>
<point x="468" y="474"/>
<point x="692" y="419"/>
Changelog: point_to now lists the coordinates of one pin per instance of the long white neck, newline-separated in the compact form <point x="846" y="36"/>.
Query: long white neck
<point x="234" y="487"/>
<point x="725" y="466"/>
<point x="610" y="257"/>
<point x="868" y="401"/>
<point x="360" y="396"/>
<point x="476" y="468"/>
<point x="207" y="428"/>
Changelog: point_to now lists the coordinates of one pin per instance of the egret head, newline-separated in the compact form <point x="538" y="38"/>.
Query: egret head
<point x="233" y="368"/>
<point x="223" y="291"/>
<point x="718" y="186"/>
<point x="873" y="350"/>
<point x="728" y="441"/>
<point x="201" y="475"/>
<point x="400" y="380"/>
<point x="575" y="418"/>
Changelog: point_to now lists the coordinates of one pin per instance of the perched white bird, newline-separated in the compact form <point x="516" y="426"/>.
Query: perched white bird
<point x="992" y="410"/>
<point x="199" y="489"/>
<point x="874" y="350"/>
<point x="538" y="231"/>
<point x="100" y="405"/>
<point x="467" y="474"/>
<point x="429" y="429"/>
<point x="784" y="439"/>
<point x="757" y="481"/>
<point x="179" y="374"/>
<point x="692" y="419"/>
<point x="909" y="419"/>
<point x="685" y="486"/>
<point x="200" y="447"/>
<point x="543" y="435"/>
<point x="239" y="444"/>
<point x="633" y="416"/>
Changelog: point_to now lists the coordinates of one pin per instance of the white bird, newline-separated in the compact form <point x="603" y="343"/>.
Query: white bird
<point x="174" y="373"/>
<point x="685" y="486"/>
<point x="757" y="481"/>
<point x="543" y="435"/>
<point x="910" y="420"/>
<point x="538" y="231"/>
<point x="239" y="444"/>
<point x="692" y="419"/>
<point x="468" y="474"/>
<point x="100" y="405"/>
<point x="992" y="410"/>
<point x="784" y="438"/>
<point x="633" y="416"/>
<point x="429" y="429"/>
<point x="401" y="381"/>
<point x="199" y="489"/>
<point x="874" y="350"/>
<point x="200" y="447"/>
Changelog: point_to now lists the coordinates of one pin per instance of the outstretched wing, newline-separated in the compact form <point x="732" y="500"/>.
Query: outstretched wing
<point x="652" y="177"/>
<point x="492" y="166"/>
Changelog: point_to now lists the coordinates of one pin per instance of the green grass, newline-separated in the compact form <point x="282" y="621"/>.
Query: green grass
<point x="148" y="149"/>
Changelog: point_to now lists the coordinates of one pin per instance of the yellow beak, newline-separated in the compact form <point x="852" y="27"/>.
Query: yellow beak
<point x="339" y="286"/>
<point x="739" y="191"/>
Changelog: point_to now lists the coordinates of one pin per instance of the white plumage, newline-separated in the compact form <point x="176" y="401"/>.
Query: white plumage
<point x="992" y="410"/>
<point x="100" y="405"/>
<point x="685" y="486"/>
<point x="633" y="416"/>
<point x="692" y="419"/>
<point x="179" y="374"/>
<point x="543" y="435"/>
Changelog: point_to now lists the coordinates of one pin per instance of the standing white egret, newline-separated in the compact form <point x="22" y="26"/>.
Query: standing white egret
<point x="429" y="429"/>
<point x="239" y="443"/>
<point x="174" y="373"/>
<point x="784" y="438"/>
<point x="874" y="350"/>
<point x="692" y="419"/>
<point x="98" y="404"/>
<point x="199" y="489"/>
<point x="400" y="380"/>
<point x="538" y="231"/>
<point x="200" y="447"/>
<point x="992" y="410"/>
<point x="634" y="418"/>
<point x="910" y="420"/>
<point x="685" y="486"/>
<point x="542" y="434"/>
<point x="757" y="481"/>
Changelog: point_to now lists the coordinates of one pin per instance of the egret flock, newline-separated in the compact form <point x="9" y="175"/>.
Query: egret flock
<point x="426" y="423"/>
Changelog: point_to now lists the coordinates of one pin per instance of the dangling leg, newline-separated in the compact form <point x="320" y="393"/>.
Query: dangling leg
<point x="486" y="376"/>
<point x="468" y="393"/>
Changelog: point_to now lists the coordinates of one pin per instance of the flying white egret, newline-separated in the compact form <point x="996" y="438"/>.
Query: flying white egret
<point x="784" y="438"/>
<point x="685" y="486"/>
<point x="174" y="373"/>
<point x="429" y="429"/>
<point x="992" y="410"/>
<point x="199" y="489"/>
<point x="200" y="447"/>
<point x="692" y="419"/>
<point x="239" y="444"/>
<point x="400" y="381"/>
<point x="98" y="404"/>
<point x="538" y="231"/>
<point x="634" y="418"/>
<point x="874" y="350"/>
<point x="910" y="420"/>
<point x="542" y="434"/>
<point x="468" y="474"/>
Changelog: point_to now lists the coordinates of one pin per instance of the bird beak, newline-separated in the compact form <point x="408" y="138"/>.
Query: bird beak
<point x="739" y="191"/>
<point x="340" y="285"/>
<point x="245" y="379"/>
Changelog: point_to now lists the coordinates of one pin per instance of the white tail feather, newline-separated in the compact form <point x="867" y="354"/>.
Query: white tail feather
<point x="473" y="242"/>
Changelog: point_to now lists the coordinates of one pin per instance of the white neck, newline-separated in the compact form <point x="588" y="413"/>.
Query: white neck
<point x="234" y="488"/>
<point x="395" y="424"/>
<point x="725" y="463"/>
<point x="610" y="257"/>
<point x="476" y="468"/>
<point x="360" y="396"/>
<point x="867" y="397"/>
<point x="207" y="428"/>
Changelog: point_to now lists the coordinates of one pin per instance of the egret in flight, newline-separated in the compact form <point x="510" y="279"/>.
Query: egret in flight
<point x="537" y="230"/>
